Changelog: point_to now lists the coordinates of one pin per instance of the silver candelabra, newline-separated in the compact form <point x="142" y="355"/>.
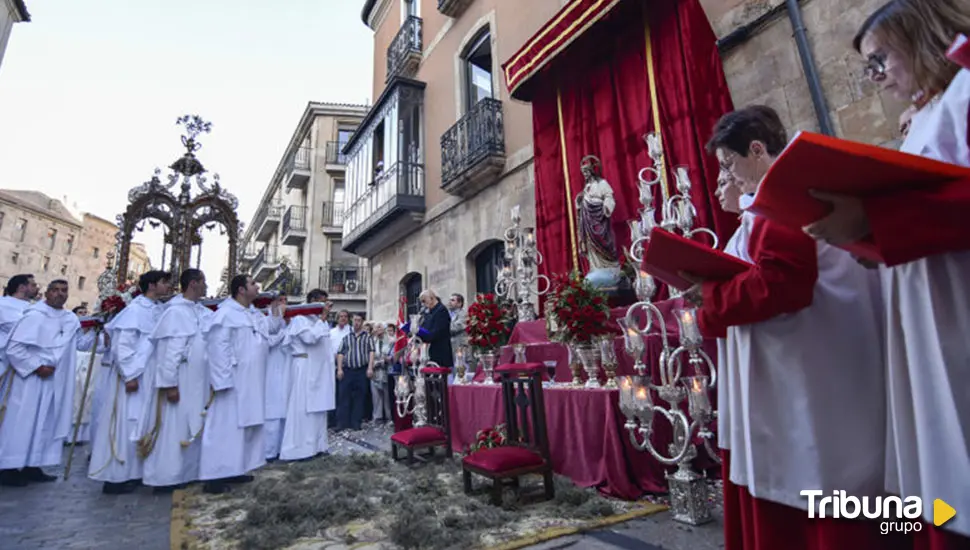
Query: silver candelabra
<point x="410" y="400"/>
<point x="518" y="279"/>
<point x="677" y="212"/>
<point x="688" y="489"/>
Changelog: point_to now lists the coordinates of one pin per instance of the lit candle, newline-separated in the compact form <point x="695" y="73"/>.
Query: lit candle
<point x="626" y="391"/>
<point x="530" y="237"/>
<point x="642" y="396"/>
<point x="698" y="395"/>
<point x="689" y="331"/>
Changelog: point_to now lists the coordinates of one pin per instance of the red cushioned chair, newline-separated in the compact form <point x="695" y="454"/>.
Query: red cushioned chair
<point x="436" y="431"/>
<point x="527" y="444"/>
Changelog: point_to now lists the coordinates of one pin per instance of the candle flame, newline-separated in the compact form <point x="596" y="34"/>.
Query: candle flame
<point x="642" y="394"/>
<point x="688" y="317"/>
<point x="631" y="331"/>
<point x="625" y="383"/>
<point x="698" y="385"/>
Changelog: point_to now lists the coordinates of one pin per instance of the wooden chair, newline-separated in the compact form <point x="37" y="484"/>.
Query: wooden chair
<point x="526" y="450"/>
<point x="436" y="431"/>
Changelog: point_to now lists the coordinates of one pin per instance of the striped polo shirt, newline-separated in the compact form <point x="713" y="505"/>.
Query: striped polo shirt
<point x="356" y="349"/>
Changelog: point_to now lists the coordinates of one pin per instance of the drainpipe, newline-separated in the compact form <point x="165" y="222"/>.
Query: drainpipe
<point x="744" y="33"/>
<point x="808" y="65"/>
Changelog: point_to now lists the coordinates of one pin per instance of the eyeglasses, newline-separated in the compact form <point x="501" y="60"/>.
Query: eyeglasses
<point x="876" y="67"/>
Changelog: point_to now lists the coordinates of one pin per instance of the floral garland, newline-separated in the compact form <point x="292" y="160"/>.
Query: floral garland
<point x="116" y="301"/>
<point x="582" y="311"/>
<point x="488" y="323"/>
<point x="489" y="438"/>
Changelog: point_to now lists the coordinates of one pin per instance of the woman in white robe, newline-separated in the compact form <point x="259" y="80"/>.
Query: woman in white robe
<point x="924" y="237"/>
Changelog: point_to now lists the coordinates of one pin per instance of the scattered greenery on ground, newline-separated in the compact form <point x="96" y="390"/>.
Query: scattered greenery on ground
<point x="420" y="508"/>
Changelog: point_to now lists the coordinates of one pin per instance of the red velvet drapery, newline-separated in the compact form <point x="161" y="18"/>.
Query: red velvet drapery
<point x="595" y="98"/>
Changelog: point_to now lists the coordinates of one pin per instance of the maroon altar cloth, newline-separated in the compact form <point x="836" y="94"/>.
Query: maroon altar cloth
<point x="587" y="440"/>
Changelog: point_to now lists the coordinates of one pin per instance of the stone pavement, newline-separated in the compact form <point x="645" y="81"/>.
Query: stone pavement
<point x="75" y="515"/>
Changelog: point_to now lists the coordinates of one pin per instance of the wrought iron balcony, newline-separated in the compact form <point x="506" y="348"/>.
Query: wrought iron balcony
<point x="404" y="53"/>
<point x="289" y="283"/>
<point x="392" y="207"/>
<point x="453" y="8"/>
<point x="298" y="174"/>
<point x="336" y="159"/>
<point x="265" y="263"/>
<point x="267" y="220"/>
<point x="339" y="279"/>
<point x="473" y="150"/>
<point x="294" y="226"/>
<point x="333" y="217"/>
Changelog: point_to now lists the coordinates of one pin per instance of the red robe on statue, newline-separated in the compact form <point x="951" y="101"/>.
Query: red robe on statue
<point x="800" y="395"/>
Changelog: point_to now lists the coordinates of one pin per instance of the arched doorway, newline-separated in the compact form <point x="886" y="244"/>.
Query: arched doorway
<point x="411" y="284"/>
<point x="487" y="263"/>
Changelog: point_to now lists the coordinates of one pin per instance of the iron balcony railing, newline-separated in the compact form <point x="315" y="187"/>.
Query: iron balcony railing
<point x="267" y="255"/>
<point x="272" y="211"/>
<point x="333" y="214"/>
<point x="404" y="179"/>
<point x="294" y="219"/>
<point x="406" y="43"/>
<point x="289" y="283"/>
<point x="478" y="135"/>
<point x="335" y="154"/>
<point x="343" y="279"/>
<point x="301" y="159"/>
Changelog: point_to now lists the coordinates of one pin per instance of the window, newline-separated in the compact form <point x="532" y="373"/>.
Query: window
<point x="63" y="270"/>
<point x="46" y="263"/>
<point x="80" y="283"/>
<point x="412" y="291"/>
<point x="70" y="244"/>
<point x="51" y="238"/>
<point x="477" y="62"/>
<point x="343" y="136"/>
<point x="15" y="258"/>
<point x="2" y="214"/>
<point x="96" y="252"/>
<point x="487" y="264"/>
<point x="21" y="230"/>
<point x="378" y="150"/>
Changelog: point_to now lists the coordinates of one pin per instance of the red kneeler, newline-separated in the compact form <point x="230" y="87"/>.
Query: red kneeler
<point x="437" y="432"/>
<point x="527" y="447"/>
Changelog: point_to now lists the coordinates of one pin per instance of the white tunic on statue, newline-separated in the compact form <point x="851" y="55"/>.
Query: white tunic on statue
<point x="237" y="340"/>
<point x="817" y="372"/>
<point x="179" y="361"/>
<point x="313" y="388"/>
<point x="277" y="393"/>
<point x="928" y="344"/>
<point x="90" y="398"/>
<point x="114" y="445"/>
<point x="38" y="417"/>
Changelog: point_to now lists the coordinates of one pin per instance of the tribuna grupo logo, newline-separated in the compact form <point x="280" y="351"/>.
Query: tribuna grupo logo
<point x="897" y="514"/>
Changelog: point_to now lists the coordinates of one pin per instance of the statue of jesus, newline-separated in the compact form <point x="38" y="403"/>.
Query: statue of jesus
<point x="597" y="241"/>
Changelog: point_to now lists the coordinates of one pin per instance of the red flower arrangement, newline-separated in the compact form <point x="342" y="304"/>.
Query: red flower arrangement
<point x="115" y="302"/>
<point x="489" y="438"/>
<point x="488" y="323"/>
<point x="582" y="311"/>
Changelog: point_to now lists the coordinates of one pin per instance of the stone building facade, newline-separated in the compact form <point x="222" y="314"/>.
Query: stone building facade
<point x="11" y="11"/>
<point x="40" y="236"/>
<point x="430" y="209"/>
<point x="767" y="69"/>
<point x="423" y="227"/>
<point x="293" y="242"/>
<point x="90" y="258"/>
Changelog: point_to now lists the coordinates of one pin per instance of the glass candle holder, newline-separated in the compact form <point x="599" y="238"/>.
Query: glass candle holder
<point x="518" y="351"/>
<point x="698" y="400"/>
<point x="643" y="404"/>
<point x="690" y="332"/>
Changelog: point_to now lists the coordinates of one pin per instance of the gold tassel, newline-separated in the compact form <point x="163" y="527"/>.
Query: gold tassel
<point x="7" y="376"/>
<point x="113" y="431"/>
<point x="146" y="444"/>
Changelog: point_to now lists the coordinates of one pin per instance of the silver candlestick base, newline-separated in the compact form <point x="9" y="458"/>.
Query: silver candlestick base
<point x="689" y="494"/>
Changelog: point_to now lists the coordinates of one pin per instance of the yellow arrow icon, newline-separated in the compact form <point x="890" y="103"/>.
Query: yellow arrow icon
<point x="942" y="512"/>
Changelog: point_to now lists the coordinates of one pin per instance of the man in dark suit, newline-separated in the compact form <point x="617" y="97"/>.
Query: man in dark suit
<point x="436" y="329"/>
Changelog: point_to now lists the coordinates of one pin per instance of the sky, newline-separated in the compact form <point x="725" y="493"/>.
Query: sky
<point x="90" y="91"/>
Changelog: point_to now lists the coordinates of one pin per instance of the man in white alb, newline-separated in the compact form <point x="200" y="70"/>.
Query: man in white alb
<point x="277" y="392"/>
<point x="114" y="444"/>
<point x="178" y="391"/>
<point x="313" y="383"/>
<point x="42" y="350"/>
<point x="237" y="340"/>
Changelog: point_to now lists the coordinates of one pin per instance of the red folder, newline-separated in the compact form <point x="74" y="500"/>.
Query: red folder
<point x="813" y="161"/>
<point x="959" y="52"/>
<point x="668" y="254"/>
